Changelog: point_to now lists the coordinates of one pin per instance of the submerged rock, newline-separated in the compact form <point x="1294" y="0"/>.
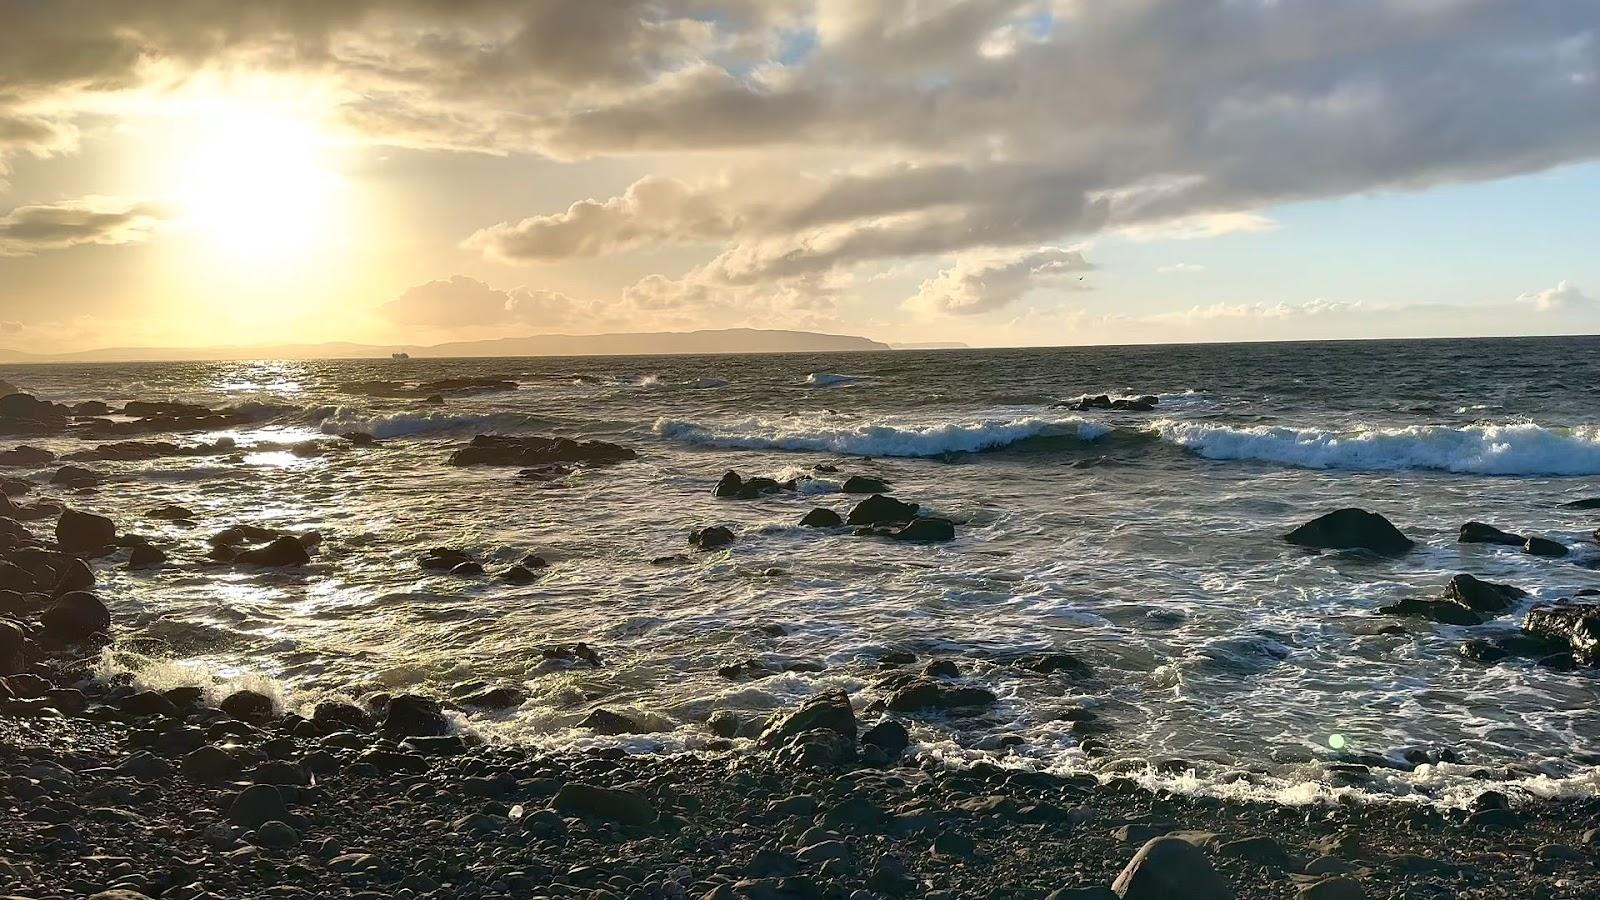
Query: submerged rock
<point x="1351" y="529"/>
<point x="604" y="721"/>
<point x="1446" y="612"/>
<point x="500" y="450"/>
<point x="24" y="456"/>
<point x="1480" y="533"/>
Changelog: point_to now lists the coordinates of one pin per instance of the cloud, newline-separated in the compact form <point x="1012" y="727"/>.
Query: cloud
<point x="1564" y="297"/>
<point x="977" y="285"/>
<point x="9" y="327"/>
<point x="1179" y="268"/>
<point x="461" y="302"/>
<point x="27" y="230"/>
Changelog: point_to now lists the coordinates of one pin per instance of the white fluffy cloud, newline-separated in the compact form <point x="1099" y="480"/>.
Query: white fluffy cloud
<point x="978" y="285"/>
<point x="1564" y="297"/>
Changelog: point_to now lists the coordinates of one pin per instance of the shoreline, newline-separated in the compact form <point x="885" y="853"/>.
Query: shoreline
<point x="113" y="788"/>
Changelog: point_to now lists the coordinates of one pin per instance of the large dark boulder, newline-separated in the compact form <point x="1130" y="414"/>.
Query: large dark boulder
<point x="881" y="510"/>
<point x="861" y="484"/>
<point x="75" y="616"/>
<point x="248" y="706"/>
<point x="729" y="484"/>
<point x="1538" y="546"/>
<point x="411" y="715"/>
<point x="25" y="456"/>
<point x="604" y="721"/>
<point x="27" y="414"/>
<point x="1445" y="612"/>
<point x="1169" y="868"/>
<point x="1480" y="533"/>
<point x="829" y="711"/>
<point x="714" y="537"/>
<point x="13" y="642"/>
<point x="81" y="532"/>
<point x="822" y="517"/>
<point x="1575" y="624"/>
<point x="499" y="450"/>
<point x="1482" y="596"/>
<point x="1351" y="529"/>
<point x="927" y="529"/>
<point x="257" y="805"/>
<point x="282" y="551"/>
<point x="586" y="801"/>
<point x="923" y="694"/>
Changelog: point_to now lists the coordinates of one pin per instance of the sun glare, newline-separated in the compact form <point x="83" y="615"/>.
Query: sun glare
<point x="254" y="182"/>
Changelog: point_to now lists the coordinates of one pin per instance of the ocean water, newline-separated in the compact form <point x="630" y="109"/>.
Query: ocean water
<point x="1149" y="544"/>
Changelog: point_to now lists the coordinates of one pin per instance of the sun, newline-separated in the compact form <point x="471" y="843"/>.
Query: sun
<point x="253" y="182"/>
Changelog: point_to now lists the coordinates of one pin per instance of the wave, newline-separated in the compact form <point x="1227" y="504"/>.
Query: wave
<point x="877" y="438"/>
<point x="829" y="379"/>
<point x="392" y="425"/>
<point x="1520" y="449"/>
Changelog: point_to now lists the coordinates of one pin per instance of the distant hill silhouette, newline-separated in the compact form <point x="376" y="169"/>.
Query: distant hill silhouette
<point x="728" y="340"/>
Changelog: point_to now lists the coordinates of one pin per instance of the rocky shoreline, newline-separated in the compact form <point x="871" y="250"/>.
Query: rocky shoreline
<point x="108" y="788"/>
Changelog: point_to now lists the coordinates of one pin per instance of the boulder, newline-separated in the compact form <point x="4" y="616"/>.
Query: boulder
<point x="248" y="706"/>
<point x="1482" y="596"/>
<point x="881" y="510"/>
<point x="713" y="537"/>
<point x="1167" y="868"/>
<point x="13" y="644"/>
<point x="81" y="532"/>
<point x="1585" y="503"/>
<point x="76" y="616"/>
<point x="171" y="513"/>
<point x="821" y="517"/>
<point x="927" y="529"/>
<point x="861" y="484"/>
<point x="1575" y="624"/>
<point x="889" y="736"/>
<point x="1479" y="533"/>
<point x="499" y="450"/>
<point x="1538" y="546"/>
<point x="1351" y="529"/>
<point x="209" y="764"/>
<point x="24" y="456"/>
<point x="144" y="556"/>
<point x="922" y="694"/>
<point x="335" y="715"/>
<point x="411" y="715"/>
<point x="604" y="721"/>
<point x="256" y="805"/>
<point x="282" y="551"/>
<point x="587" y="801"/>
<point x="829" y="711"/>
<point x="76" y="477"/>
<point x="1446" y="612"/>
<point x="729" y="485"/>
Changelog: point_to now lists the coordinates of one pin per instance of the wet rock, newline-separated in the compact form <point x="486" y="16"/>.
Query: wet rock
<point x="1482" y="596"/>
<point x="1260" y="850"/>
<point x="468" y="569"/>
<point x="713" y="537"/>
<point x="861" y="484"/>
<point x="256" y="805"/>
<point x="881" y="510"/>
<point x="444" y="558"/>
<point x="518" y="575"/>
<point x="723" y="723"/>
<point x="1336" y="888"/>
<point x="1479" y="533"/>
<point x="1585" y="503"/>
<point x="24" y="456"/>
<point x="1442" y="611"/>
<point x="76" y="616"/>
<point x="499" y="450"/>
<point x="81" y="532"/>
<point x="728" y="485"/>
<point x="829" y="711"/>
<point x="144" y="556"/>
<point x="889" y="736"/>
<point x="248" y="706"/>
<point x="821" y="517"/>
<point x="412" y="715"/>
<point x="503" y="697"/>
<point x="73" y="575"/>
<point x="1482" y="651"/>
<point x="921" y="694"/>
<point x="1167" y="868"/>
<point x="282" y="551"/>
<point x="332" y="714"/>
<point x="579" y="652"/>
<point x="1351" y="529"/>
<point x="210" y="764"/>
<point x="76" y="477"/>
<point x="604" y="721"/>
<point x="587" y="801"/>
<point x="924" y="529"/>
<point x="1577" y="625"/>
<point x="1538" y="546"/>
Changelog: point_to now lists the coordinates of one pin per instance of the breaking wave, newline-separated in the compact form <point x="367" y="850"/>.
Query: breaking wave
<point x="880" y="438"/>
<point x="340" y="420"/>
<point x="829" y="379"/>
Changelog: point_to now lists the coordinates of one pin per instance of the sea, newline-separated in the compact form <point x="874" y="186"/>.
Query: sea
<point x="1225" y="661"/>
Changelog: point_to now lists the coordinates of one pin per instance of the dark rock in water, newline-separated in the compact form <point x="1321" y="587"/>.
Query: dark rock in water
<point x="249" y="706"/>
<point x="830" y="711"/>
<point x="587" y="801"/>
<point x="889" y="736"/>
<point x="1051" y="663"/>
<point x="499" y="450"/>
<point x="757" y="486"/>
<point x="881" y="510"/>
<point x="861" y="484"/>
<point x="926" y="529"/>
<point x="1575" y="624"/>
<point x="444" y="558"/>
<point x="1585" y="503"/>
<point x="24" y="456"/>
<point x="925" y="693"/>
<point x="76" y="477"/>
<point x="1167" y="868"/>
<point x="1351" y="529"/>
<point x="359" y="438"/>
<point x="1482" y="651"/>
<point x="283" y="551"/>
<point x="604" y="721"/>
<point x="729" y="485"/>
<point x="468" y="569"/>
<point x="1479" y="533"/>
<point x="503" y="697"/>
<point x="821" y="517"/>
<point x="80" y="532"/>
<point x="76" y="616"/>
<point x="26" y="414"/>
<point x="331" y="714"/>
<point x="573" y="652"/>
<point x="1443" y="611"/>
<point x="257" y="805"/>
<point x="1482" y="596"/>
<point x="1538" y="546"/>
<point x="723" y="723"/>
<point x="145" y="556"/>
<point x="514" y="575"/>
<point x="411" y="715"/>
<point x="171" y="513"/>
<point x="711" y="538"/>
<point x="74" y="575"/>
<point x="535" y="562"/>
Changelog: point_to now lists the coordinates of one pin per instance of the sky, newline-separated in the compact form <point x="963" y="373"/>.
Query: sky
<point x="990" y="172"/>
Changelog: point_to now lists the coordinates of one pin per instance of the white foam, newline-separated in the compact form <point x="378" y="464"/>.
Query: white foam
<point x="885" y="437"/>
<point x="829" y="379"/>
<point x="341" y="420"/>
<point x="1518" y="449"/>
